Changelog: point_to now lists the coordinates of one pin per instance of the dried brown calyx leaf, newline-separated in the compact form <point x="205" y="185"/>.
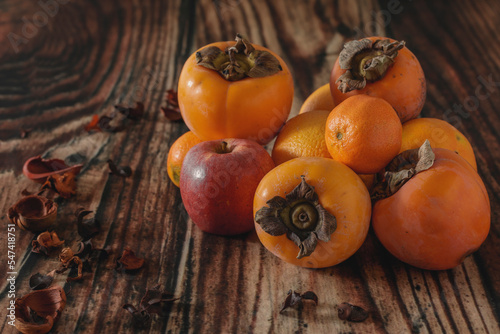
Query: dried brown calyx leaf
<point x="37" y="311"/>
<point x="33" y="213"/>
<point x="39" y="281"/>
<point x="38" y="169"/>
<point x="351" y="312"/>
<point x="402" y="168"/>
<point x="172" y="111"/>
<point x="129" y="261"/>
<point x="297" y="298"/>
<point x="151" y="303"/>
<point x="46" y="241"/>
<point x="68" y="260"/>
<point x="87" y="228"/>
<point x="123" y="171"/>
<point x="239" y="61"/>
<point x="300" y="216"/>
<point x="366" y="61"/>
<point x="63" y="184"/>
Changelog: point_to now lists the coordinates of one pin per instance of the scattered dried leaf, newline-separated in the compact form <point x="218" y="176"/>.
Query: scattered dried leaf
<point x="63" y="184"/>
<point x="172" y="111"/>
<point x="38" y="169"/>
<point x="33" y="213"/>
<point x="123" y="171"/>
<point x="37" y="311"/>
<point x="94" y="124"/>
<point x="150" y="304"/>
<point x="132" y="113"/>
<point x="46" y="241"/>
<point x="294" y="298"/>
<point x="128" y="260"/>
<point x="87" y="228"/>
<point x="68" y="260"/>
<point x="24" y="133"/>
<point x="351" y="312"/>
<point x="39" y="281"/>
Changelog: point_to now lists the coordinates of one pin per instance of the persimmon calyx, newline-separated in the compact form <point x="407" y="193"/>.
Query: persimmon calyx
<point x="239" y="61"/>
<point x="402" y="168"/>
<point x="365" y="61"/>
<point x="300" y="216"/>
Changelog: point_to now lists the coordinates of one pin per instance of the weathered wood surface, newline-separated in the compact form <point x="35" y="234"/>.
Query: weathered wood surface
<point x="91" y="55"/>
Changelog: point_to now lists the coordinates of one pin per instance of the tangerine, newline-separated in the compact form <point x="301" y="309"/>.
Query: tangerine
<point x="176" y="155"/>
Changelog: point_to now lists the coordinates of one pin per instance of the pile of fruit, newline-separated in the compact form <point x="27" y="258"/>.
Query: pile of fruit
<point x="355" y="154"/>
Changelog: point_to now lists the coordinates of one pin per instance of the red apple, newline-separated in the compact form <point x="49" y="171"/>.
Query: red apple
<point x="218" y="183"/>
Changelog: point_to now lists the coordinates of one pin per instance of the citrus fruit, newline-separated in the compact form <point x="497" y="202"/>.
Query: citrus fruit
<point x="364" y="133"/>
<point x="320" y="99"/>
<point x="440" y="134"/>
<point x="302" y="136"/>
<point x="176" y="155"/>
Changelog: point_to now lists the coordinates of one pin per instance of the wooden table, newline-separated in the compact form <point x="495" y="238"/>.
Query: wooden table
<point x="82" y="58"/>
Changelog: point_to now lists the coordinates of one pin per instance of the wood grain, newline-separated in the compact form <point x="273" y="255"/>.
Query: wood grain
<point x="92" y="55"/>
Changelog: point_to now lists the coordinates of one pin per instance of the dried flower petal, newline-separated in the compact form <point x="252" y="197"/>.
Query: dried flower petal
<point x="45" y="241"/>
<point x="39" y="281"/>
<point x="23" y="133"/>
<point x="38" y="169"/>
<point x="94" y="124"/>
<point x="63" y="184"/>
<point x="172" y="111"/>
<point x="87" y="228"/>
<point x="46" y="304"/>
<point x="69" y="260"/>
<point x="351" y="312"/>
<point x="123" y="171"/>
<point x="132" y="113"/>
<point x="129" y="261"/>
<point x="294" y="298"/>
<point x="33" y="213"/>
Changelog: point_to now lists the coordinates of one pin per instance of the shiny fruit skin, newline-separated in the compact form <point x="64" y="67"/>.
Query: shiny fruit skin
<point x="341" y="192"/>
<point x="251" y="108"/>
<point x="438" y="217"/>
<point x="403" y="85"/>
<point x="217" y="188"/>
<point x="320" y="99"/>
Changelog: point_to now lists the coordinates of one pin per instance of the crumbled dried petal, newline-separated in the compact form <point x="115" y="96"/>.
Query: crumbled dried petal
<point x="38" y="169"/>
<point x="93" y="124"/>
<point x="37" y="311"/>
<point x="129" y="261"/>
<point x="87" y="228"/>
<point x="351" y="312"/>
<point x="294" y="298"/>
<point x="39" y="281"/>
<point x="46" y="241"/>
<point x="135" y="113"/>
<point x="24" y="133"/>
<point x="63" y="184"/>
<point x="123" y="171"/>
<point x="68" y="260"/>
<point x="172" y="111"/>
<point x="33" y="213"/>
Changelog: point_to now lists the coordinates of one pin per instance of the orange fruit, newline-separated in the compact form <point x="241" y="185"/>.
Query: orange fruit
<point x="441" y="134"/>
<point x="364" y="133"/>
<point x="302" y="136"/>
<point x="320" y="99"/>
<point x="176" y="155"/>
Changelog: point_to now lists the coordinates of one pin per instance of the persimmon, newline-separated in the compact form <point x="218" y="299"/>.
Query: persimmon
<point x="380" y="67"/>
<point x="235" y="90"/>
<point x="364" y="133"/>
<point x="312" y="212"/>
<point x="437" y="212"/>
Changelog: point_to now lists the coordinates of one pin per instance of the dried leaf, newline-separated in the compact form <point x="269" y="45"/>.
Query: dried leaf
<point x="351" y="312"/>
<point x="63" y="184"/>
<point x="46" y="241"/>
<point x="38" y="169"/>
<point x="129" y="261"/>
<point x="94" y="124"/>
<point x="294" y="298"/>
<point x="87" y="228"/>
<point x="37" y="311"/>
<point x="172" y="111"/>
<point x="33" y="213"/>
<point x="140" y="317"/>
<point x="39" y="281"/>
<point x="132" y="113"/>
<point x="123" y="171"/>
<point x="23" y="133"/>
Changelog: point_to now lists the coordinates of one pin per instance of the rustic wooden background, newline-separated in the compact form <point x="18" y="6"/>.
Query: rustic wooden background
<point x="89" y="55"/>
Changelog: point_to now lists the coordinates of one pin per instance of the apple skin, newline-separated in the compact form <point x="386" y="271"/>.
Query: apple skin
<point x="218" y="183"/>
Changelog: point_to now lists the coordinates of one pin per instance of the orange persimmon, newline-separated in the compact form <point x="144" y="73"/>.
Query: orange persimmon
<point x="294" y="205"/>
<point x="229" y="90"/>
<point x="380" y="67"/>
<point x="438" y="217"/>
